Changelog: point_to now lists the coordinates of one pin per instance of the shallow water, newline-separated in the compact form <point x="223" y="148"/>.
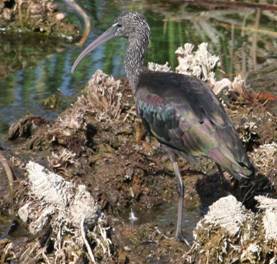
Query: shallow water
<point x="164" y="217"/>
<point x="32" y="69"/>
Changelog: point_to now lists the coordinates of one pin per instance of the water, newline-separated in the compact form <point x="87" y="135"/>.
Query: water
<point x="32" y="69"/>
<point x="165" y="217"/>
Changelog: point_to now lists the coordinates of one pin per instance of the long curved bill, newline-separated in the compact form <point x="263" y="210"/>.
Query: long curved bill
<point x="107" y="35"/>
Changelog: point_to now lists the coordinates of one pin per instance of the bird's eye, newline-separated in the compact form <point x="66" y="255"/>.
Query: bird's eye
<point x="117" y="25"/>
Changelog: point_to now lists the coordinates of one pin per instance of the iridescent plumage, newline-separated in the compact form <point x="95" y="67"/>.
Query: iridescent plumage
<point x="180" y="111"/>
<point x="184" y="114"/>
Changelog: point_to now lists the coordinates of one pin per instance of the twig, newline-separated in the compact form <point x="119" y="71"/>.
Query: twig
<point x="19" y="7"/>
<point x="270" y="15"/>
<point x="5" y="253"/>
<point x="30" y="251"/>
<point x="8" y="172"/>
<point x="254" y="41"/>
<point x="42" y="254"/>
<point x="130" y="112"/>
<point x="45" y="257"/>
<point x="83" y="232"/>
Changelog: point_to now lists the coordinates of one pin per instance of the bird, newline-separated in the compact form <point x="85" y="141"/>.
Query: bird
<point x="180" y="111"/>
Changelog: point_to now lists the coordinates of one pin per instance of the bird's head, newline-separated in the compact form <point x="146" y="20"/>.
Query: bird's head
<point x="127" y="25"/>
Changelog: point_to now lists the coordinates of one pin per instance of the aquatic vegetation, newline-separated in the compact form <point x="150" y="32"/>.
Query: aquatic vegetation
<point x="35" y="16"/>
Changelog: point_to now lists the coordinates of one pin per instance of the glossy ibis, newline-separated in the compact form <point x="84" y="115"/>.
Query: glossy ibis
<point x="180" y="111"/>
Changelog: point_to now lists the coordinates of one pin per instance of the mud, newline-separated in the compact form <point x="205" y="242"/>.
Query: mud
<point x="100" y="143"/>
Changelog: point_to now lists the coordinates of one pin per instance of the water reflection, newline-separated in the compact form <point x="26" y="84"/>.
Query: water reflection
<point x="33" y="69"/>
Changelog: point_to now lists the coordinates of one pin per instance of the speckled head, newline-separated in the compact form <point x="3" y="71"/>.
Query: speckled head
<point x="131" y="25"/>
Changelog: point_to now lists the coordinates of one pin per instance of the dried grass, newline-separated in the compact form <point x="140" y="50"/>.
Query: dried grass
<point x="70" y="214"/>
<point x="103" y="96"/>
<point x="264" y="157"/>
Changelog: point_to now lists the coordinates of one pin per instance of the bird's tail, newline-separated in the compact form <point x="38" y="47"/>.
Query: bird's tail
<point x="242" y="169"/>
<point x="240" y="166"/>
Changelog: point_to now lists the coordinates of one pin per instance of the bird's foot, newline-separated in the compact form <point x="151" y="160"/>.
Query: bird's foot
<point x="180" y="237"/>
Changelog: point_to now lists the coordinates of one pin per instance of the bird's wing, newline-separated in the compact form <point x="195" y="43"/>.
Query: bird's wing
<point x="183" y="113"/>
<point x="176" y="125"/>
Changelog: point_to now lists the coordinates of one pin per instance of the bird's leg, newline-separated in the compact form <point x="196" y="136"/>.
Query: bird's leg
<point x="221" y="175"/>
<point x="181" y="191"/>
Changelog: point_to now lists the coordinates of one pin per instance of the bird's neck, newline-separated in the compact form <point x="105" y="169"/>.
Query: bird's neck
<point x="134" y="60"/>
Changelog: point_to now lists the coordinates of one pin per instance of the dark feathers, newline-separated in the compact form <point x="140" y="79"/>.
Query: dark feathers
<point x="184" y="114"/>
